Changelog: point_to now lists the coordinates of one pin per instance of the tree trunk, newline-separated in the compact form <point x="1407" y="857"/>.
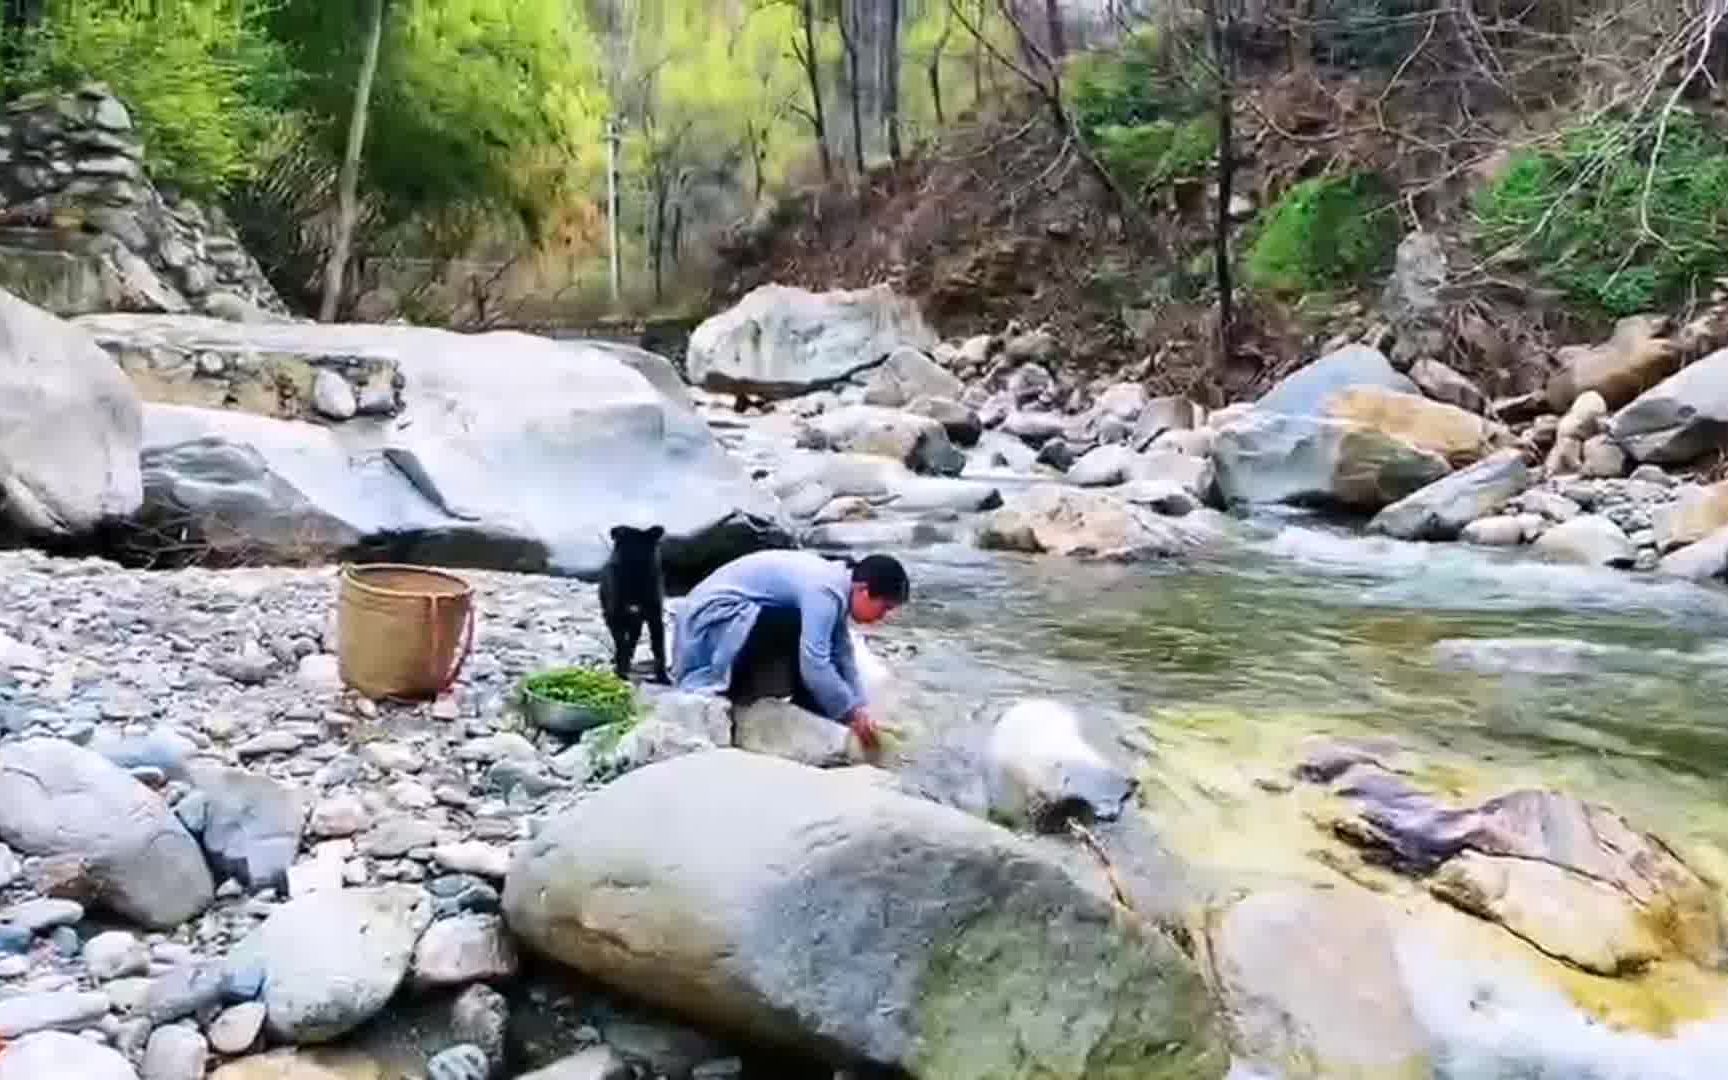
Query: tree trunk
<point x="615" y="273"/>
<point x="1218" y="26"/>
<point x="347" y="209"/>
<point x="891" y="93"/>
<point x="849" y="42"/>
<point x="936" y="67"/>
<point x="1053" y="27"/>
<point x="813" y="72"/>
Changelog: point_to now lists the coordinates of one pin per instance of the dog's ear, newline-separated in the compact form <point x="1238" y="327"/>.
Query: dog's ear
<point x="654" y="533"/>
<point x="619" y="532"/>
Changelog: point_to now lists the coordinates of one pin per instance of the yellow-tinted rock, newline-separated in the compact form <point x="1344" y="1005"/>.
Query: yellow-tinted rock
<point x="1692" y="517"/>
<point x="1460" y="437"/>
<point x="1636" y="358"/>
<point x="304" y="1065"/>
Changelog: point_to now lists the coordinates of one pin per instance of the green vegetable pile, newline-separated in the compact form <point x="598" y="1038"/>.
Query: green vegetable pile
<point x="600" y="692"/>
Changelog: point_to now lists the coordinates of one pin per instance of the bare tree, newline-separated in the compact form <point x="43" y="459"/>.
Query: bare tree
<point x="804" y="51"/>
<point x="891" y="99"/>
<point x="854" y="79"/>
<point x="936" y="68"/>
<point x="1219" y="29"/>
<point x="347" y="207"/>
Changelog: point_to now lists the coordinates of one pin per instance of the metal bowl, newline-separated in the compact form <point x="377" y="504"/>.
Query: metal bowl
<point x="558" y="717"/>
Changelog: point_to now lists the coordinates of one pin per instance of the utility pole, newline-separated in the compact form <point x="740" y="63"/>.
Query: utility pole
<point x="612" y="207"/>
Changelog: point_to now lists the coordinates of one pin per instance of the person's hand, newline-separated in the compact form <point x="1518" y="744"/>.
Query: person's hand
<point x="863" y="727"/>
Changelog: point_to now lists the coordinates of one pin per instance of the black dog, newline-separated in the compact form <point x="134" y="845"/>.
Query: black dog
<point x="632" y="593"/>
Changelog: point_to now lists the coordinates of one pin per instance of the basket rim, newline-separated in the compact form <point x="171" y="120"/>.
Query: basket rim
<point x="351" y="576"/>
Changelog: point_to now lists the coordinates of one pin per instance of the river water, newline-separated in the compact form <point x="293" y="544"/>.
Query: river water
<point x="1495" y="672"/>
<point x="1207" y="675"/>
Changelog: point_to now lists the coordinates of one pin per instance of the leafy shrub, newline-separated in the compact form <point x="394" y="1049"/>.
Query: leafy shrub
<point x="203" y="78"/>
<point x="603" y="694"/>
<point x="1325" y="232"/>
<point x="1147" y="155"/>
<point x="1574" y="212"/>
<point x="1145" y="106"/>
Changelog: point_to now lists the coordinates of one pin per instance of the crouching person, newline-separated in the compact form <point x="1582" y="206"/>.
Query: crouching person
<point x="775" y="624"/>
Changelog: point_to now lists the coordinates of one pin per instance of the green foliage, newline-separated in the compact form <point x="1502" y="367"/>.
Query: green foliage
<point x="1576" y="214"/>
<point x="1144" y="106"/>
<point x="204" y="79"/>
<point x="603" y="694"/>
<point x="1325" y="232"/>
<point x="1148" y="77"/>
<point x="1159" y="152"/>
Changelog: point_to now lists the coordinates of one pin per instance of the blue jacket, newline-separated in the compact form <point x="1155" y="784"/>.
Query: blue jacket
<point x="717" y="617"/>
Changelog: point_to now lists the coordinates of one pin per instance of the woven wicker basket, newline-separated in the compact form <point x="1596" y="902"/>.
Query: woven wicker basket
<point x="404" y="632"/>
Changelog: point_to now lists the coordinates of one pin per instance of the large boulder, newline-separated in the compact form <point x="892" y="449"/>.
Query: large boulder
<point x="1056" y="520"/>
<point x="508" y="451"/>
<point x="251" y="824"/>
<point x="1681" y="419"/>
<point x="1458" y="436"/>
<point x="907" y="375"/>
<point x="69" y="427"/>
<point x="1589" y="539"/>
<point x="917" y="442"/>
<point x="781" y="342"/>
<point x="333" y="958"/>
<point x="1312" y="985"/>
<point x="1636" y="358"/>
<point x="51" y="1054"/>
<point x="1698" y="512"/>
<point x="1309" y="390"/>
<point x="1704" y="560"/>
<point x="59" y="799"/>
<point x="1441" y="510"/>
<point x="1040" y="770"/>
<point x="826" y="912"/>
<point x="1264" y="457"/>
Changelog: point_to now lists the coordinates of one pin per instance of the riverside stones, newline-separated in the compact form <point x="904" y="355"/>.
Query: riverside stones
<point x="57" y="799"/>
<point x="58" y="1054"/>
<point x="252" y="825"/>
<point x="780" y="341"/>
<point x="1590" y="539"/>
<point x="1266" y="457"/>
<point x="464" y="949"/>
<point x="1633" y="360"/>
<point x="333" y="958"/>
<point x="1441" y="510"/>
<point x="70" y="427"/>
<point x="1681" y="419"/>
<point x="909" y="375"/>
<point x="1089" y="524"/>
<point x="917" y="442"/>
<point x="714" y="884"/>
<point x="1041" y="770"/>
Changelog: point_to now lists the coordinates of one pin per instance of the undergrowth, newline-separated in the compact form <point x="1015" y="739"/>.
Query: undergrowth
<point x="1577" y="214"/>
<point x="1145" y="108"/>
<point x="1325" y="233"/>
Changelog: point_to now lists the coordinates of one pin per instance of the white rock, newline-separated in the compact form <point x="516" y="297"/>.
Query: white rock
<point x="473" y="857"/>
<point x="114" y="955"/>
<point x="1039" y="767"/>
<point x="237" y="1029"/>
<point x="320" y="671"/>
<point x="333" y="396"/>
<point x="53" y="1055"/>
<point x="175" y="1052"/>
<point x="339" y="815"/>
<point x="464" y="949"/>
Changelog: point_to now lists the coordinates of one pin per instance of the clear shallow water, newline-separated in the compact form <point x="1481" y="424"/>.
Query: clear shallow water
<point x="1494" y="671"/>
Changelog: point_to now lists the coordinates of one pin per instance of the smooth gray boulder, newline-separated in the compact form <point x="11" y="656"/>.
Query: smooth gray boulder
<point x="1060" y="520"/>
<point x="1040" y="770"/>
<point x="917" y="442"/>
<point x="69" y="427"/>
<point x="332" y="959"/>
<point x="1704" y="560"/>
<point x="1104" y="466"/>
<point x="53" y="1054"/>
<point x="1267" y="457"/>
<point x="715" y="885"/>
<point x="780" y="342"/>
<point x="1441" y="510"/>
<point x="252" y="825"/>
<point x="907" y="375"/>
<point x="1589" y="539"/>
<point x="59" y="799"/>
<point x="1307" y="391"/>
<point x="510" y="451"/>
<point x="1681" y="418"/>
